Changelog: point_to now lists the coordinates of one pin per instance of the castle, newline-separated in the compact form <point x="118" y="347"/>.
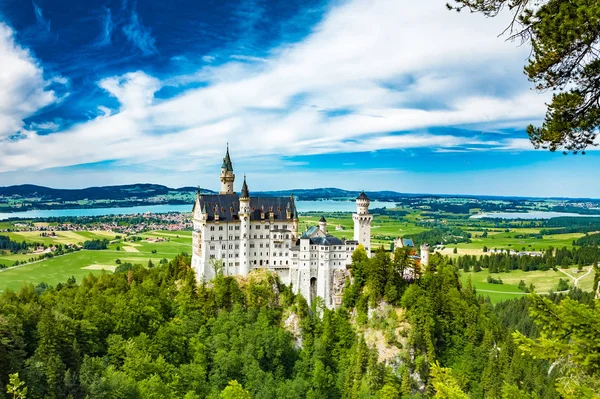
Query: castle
<point x="235" y="234"/>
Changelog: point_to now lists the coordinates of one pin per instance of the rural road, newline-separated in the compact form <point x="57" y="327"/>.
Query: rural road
<point x="576" y="279"/>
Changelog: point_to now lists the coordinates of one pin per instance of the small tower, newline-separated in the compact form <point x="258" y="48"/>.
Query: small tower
<point x="424" y="256"/>
<point x="227" y="176"/>
<point x="245" y="229"/>
<point x="323" y="225"/>
<point x="362" y="222"/>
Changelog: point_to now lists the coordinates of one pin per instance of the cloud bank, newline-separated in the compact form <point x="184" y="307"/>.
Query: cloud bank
<point x="371" y="76"/>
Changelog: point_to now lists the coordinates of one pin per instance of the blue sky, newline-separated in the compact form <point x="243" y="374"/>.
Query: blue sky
<point x="387" y="95"/>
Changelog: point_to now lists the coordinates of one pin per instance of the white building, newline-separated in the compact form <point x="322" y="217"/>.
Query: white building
<point x="247" y="233"/>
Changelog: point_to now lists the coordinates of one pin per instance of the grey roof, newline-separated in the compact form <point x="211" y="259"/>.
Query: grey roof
<point x="245" y="192"/>
<point x="327" y="240"/>
<point x="227" y="206"/>
<point x="308" y="233"/>
<point x="408" y="242"/>
<point x="362" y="195"/>
<point x="323" y="220"/>
<point x="227" y="165"/>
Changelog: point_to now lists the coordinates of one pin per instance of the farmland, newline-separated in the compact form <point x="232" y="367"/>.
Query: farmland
<point x="80" y="264"/>
<point x="386" y="226"/>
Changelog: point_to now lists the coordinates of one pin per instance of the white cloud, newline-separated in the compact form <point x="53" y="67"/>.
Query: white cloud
<point x="397" y="65"/>
<point x="22" y="85"/>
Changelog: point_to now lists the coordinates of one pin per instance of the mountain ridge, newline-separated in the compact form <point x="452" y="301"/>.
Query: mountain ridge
<point x="145" y="190"/>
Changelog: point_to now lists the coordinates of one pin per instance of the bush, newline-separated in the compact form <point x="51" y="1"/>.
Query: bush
<point x="492" y="280"/>
<point x="563" y="285"/>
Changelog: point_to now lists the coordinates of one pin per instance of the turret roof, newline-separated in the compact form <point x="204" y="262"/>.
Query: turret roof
<point x="362" y="195"/>
<point x="227" y="165"/>
<point x="245" y="192"/>
<point x="323" y="220"/>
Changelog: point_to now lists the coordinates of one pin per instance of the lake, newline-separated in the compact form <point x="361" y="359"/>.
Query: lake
<point x="301" y="206"/>
<point x="528" y="215"/>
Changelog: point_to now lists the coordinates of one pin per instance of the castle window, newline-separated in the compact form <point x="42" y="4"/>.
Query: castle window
<point x="212" y="238"/>
<point x="261" y="236"/>
<point x="212" y="228"/>
<point x="251" y="245"/>
<point x="212" y="247"/>
<point x="230" y="227"/>
<point x="237" y="227"/>
<point x="220" y="228"/>
<point x="211" y="256"/>
<point x="223" y="246"/>
<point x="220" y="238"/>
<point x="237" y="246"/>
<point x="230" y="246"/>
<point x="275" y="227"/>
<point x="261" y="245"/>
<point x="285" y="226"/>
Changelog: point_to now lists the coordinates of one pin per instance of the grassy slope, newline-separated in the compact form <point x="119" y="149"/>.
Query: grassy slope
<point x="55" y="270"/>
<point x="544" y="281"/>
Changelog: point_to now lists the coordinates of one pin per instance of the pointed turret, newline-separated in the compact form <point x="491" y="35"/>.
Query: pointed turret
<point x="227" y="165"/>
<point x="323" y="225"/>
<point x="245" y="192"/>
<point x="227" y="176"/>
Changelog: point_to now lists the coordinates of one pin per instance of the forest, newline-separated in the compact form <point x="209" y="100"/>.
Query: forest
<point x="441" y="235"/>
<point x="551" y="258"/>
<point x="156" y="333"/>
<point x="7" y="244"/>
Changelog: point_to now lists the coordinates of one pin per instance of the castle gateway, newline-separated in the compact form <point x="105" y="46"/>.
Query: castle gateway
<point x="239" y="233"/>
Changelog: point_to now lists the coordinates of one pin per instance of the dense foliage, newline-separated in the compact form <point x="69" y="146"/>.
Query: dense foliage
<point x="156" y="333"/>
<point x="451" y="325"/>
<point x="7" y="244"/>
<point x="96" y="244"/>
<point x="551" y="258"/>
<point x="588" y="240"/>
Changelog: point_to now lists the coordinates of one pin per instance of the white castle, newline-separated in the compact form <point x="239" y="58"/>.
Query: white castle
<point x="247" y="233"/>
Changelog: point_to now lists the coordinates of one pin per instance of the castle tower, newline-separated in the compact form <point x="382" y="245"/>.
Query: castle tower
<point x="245" y="229"/>
<point x="362" y="222"/>
<point x="227" y="176"/>
<point x="323" y="225"/>
<point x="295" y="219"/>
<point x="425" y="256"/>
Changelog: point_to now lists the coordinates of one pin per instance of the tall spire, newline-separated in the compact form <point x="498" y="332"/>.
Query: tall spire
<point x="245" y="192"/>
<point x="227" y="165"/>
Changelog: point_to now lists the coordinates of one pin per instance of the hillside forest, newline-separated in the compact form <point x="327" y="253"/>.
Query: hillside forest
<point x="157" y="333"/>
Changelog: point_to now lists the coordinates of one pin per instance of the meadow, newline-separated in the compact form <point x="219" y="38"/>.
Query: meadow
<point x="544" y="281"/>
<point x="80" y="264"/>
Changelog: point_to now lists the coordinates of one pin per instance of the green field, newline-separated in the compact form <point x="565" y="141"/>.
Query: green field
<point x="544" y="282"/>
<point x="82" y="263"/>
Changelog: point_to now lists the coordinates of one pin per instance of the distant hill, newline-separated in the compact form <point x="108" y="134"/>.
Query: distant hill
<point x="27" y="197"/>
<point x="93" y="193"/>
